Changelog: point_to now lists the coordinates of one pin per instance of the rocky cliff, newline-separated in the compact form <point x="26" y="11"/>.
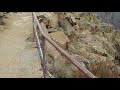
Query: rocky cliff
<point x="94" y="43"/>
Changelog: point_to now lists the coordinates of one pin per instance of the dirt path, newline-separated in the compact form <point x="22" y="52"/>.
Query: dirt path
<point x="17" y="57"/>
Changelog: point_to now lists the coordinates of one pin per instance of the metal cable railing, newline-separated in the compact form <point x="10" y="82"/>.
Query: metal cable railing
<point x="41" y="48"/>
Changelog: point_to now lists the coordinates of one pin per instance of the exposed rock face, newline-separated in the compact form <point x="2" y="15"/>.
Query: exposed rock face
<point x="84" y="36"/>
<point x="65" y="24"/>
<point x="60" y="38"/>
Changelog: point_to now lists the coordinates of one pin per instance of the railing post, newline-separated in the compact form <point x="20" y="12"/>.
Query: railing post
<point x="43" y="61"/>
<point x="41" y="48"/>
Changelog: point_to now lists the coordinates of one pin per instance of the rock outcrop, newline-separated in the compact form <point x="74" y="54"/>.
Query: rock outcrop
<point x="60" y="38"/>
<point x="83" y="35"/>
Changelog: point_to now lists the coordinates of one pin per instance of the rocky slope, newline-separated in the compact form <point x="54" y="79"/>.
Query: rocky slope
<point x="84" y="36"/>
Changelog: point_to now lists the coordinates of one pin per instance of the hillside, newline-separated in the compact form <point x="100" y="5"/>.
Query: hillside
<point x="86" y="37"/>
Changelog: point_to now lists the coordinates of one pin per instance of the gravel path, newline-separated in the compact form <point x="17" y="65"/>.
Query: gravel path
<point x="18" y="59"/>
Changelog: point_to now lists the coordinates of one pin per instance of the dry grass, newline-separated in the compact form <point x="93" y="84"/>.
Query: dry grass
<point x="104" y="70"/>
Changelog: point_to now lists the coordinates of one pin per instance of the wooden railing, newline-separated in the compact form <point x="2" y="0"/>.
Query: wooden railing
<point x="41" y="47"/>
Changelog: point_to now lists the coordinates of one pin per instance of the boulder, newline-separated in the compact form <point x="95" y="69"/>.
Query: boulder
<point x="53" y="20"/>
<point x="60" y="38"/>
<point x="71" y="18"/>
<point x="68" y="29"/>
<point x="51" y="30"/>
<point x="76" y="27"/>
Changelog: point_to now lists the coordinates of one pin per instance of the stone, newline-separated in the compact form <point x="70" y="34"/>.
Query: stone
<point x="60" y="15"/>
<point x="53" y="20"/>
<point x="60" y="38"/>
<point x="49" y="19"/>
<point x="68" y="29"/>
<point x="52" y="30"/>
<point x="71" y="19"/>
<point x="76" y="27"/>
<point x="77" y="15"/>
<point x="43" y="19"/>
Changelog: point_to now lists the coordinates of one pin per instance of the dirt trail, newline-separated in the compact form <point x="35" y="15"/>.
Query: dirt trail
<point x="17" y="58"/>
